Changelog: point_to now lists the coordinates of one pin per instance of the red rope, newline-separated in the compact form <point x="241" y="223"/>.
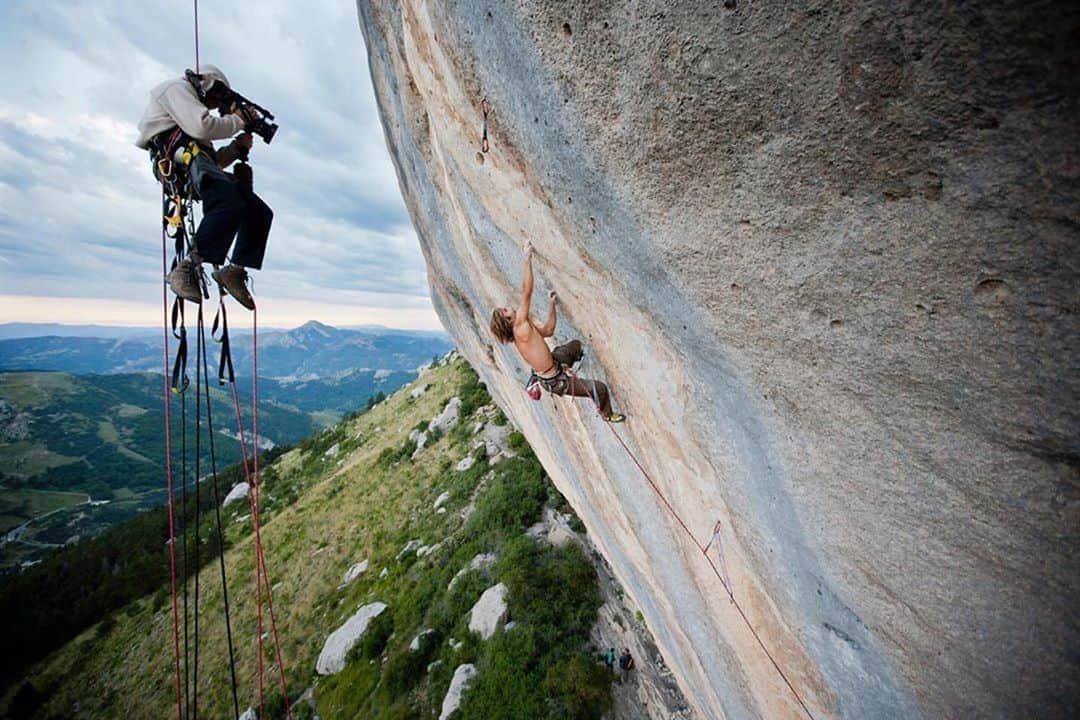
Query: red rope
<point x="258" y="568"/>
<point x="168" y="466"/>
<point x="262" y="577"/>
<point x="705" y="552"/>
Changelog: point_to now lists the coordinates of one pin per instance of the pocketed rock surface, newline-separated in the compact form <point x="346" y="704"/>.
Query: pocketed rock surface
<point x="826" y="257"/>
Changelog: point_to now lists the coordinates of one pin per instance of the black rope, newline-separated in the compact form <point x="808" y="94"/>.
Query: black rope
<point x="217" y="511"/>
<point x="198" y="508"/>
<point x="225" y="364"/>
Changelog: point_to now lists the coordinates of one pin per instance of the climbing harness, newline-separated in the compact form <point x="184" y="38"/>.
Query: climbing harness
<point x="172" y="153"/>
<point x="484" y="108"/>
<point x="721" y="572"/>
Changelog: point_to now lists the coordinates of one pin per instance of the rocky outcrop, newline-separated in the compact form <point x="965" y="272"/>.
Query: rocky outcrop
<point x="448" y="418"/>
<point x="826" y="258"/>
<point x="341" y="641"/>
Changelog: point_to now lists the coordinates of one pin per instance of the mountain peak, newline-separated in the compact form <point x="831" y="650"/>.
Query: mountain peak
<point x="316" y="326"/>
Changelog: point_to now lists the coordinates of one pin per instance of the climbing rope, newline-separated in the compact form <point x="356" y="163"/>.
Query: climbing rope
<point x="168" y="464"/>
<point x="196" y="2"/>
<point x="262" y="581"/>
<point x="703" y="548"/>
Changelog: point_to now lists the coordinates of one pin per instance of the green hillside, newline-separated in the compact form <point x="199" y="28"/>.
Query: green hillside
<point x="348" y="494"/>
<point x="64" y="437"/>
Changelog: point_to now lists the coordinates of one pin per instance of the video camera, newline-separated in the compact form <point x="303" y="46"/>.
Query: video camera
<point x="260" y="120"/>
<point x="261" y="125"/>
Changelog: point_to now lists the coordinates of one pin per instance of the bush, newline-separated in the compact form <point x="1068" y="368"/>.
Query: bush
<point x="580" y="687"/>
<point x="378" y="634"/>
<point x="406" y="667"/>
<point x="517" y="442"/>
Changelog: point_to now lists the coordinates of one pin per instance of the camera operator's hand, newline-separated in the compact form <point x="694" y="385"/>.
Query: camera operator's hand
<point x="246" y="114"/>
<point x="244" y="140"/>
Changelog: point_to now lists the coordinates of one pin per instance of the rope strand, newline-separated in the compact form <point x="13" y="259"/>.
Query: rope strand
<point x="168" y="470"/>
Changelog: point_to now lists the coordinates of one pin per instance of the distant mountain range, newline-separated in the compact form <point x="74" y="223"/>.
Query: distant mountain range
<point x="313" y="350"/>
<point x="83" y="414"/>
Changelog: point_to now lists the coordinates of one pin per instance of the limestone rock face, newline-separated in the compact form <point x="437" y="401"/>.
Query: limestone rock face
<point x="826" y="258"/>
<point x="340" y="642"/>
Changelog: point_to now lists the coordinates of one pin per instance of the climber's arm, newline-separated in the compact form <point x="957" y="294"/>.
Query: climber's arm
<point x="548" y="328"/>
<point x="526" y="287"/>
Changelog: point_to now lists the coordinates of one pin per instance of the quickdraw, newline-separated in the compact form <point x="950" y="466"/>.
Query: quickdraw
<point x="484" y="108"/>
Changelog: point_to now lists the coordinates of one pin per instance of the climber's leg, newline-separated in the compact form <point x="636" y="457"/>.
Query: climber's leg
<point x="568" y="353"/>
<point x="594" y="389"/>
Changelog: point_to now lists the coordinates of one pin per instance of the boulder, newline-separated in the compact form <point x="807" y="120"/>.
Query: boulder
<point x="465" y="463"/>
<point x="239" y="492"/>
<point x="332" y="451"/>
<point x="419" y="391"/>
<point x="479" y="562"/>
<point x="441" y="500"/>
<point x="448" y="418"/>
<point x="415" y="644"/>
<point x="489" y="611"/>
<point x="354" y="572"/>
<point x="410" y="546"/>
<point x="463" y="676"/>
<point x="249" y="714"/>
<point x="341" y="641"/>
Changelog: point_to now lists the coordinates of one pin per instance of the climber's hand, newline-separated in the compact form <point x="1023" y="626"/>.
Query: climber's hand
<point x="528" y="248"/>
<point x="553" y="297"/>
<point x="244" y="140"/>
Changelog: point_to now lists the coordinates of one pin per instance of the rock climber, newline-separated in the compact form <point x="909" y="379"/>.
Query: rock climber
<point x="609" y="660"/>
<point x="626" y="664"/>
<point x="231" y="209"/>
<point x="548" y="365"/>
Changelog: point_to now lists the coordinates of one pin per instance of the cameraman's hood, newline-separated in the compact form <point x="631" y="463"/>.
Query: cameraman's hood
<point x="211" y="74"/>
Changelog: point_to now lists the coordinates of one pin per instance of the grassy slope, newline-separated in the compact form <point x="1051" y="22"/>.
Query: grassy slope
<point x="321" y="514"/>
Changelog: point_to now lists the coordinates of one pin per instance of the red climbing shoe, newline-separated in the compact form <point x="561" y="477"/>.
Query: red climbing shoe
<point x="234" y="279"/>
<point x="184" y="279"/>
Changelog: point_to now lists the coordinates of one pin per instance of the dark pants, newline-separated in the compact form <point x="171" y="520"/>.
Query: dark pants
<point x="563" y="384"/>
<point x="230" y="209"/>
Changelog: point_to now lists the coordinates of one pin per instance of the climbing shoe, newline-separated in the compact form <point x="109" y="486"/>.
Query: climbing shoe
<point x="615" y="418"/>
<point x="184" y="279"/>
<point x="234" y="279"/>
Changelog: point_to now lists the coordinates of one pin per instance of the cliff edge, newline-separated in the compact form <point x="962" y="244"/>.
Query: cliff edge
<point x="826" y="256"/>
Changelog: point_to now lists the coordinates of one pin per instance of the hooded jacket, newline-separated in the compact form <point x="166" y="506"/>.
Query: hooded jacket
<point x="175" y="103"/>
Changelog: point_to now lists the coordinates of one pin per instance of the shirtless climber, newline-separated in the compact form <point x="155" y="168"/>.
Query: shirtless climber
<point x="230" y="208"/>
<point x="549" y="366"/>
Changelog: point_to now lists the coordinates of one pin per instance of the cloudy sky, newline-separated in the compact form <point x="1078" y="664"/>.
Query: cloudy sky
<point x="79" y="211"/>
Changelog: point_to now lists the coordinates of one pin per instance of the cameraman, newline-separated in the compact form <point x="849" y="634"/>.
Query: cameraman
<point x="230" y="207"/>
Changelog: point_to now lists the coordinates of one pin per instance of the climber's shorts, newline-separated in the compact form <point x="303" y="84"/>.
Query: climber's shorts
<point x="557" y="384"/>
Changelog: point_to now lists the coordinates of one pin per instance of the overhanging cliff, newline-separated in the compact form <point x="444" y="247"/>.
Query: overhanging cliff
<point x="826" y="257"/>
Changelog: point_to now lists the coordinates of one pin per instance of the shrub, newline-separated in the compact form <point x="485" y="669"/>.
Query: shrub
<point x="517" y="442"/>
<point x="580" y="687"/>
<point x="378" y="634"/>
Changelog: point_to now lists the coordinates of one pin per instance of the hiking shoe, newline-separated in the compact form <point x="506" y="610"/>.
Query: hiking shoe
<point x="615" y="418"/>
<point x="234" y="279"/>
<point x="184" y="280"/>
